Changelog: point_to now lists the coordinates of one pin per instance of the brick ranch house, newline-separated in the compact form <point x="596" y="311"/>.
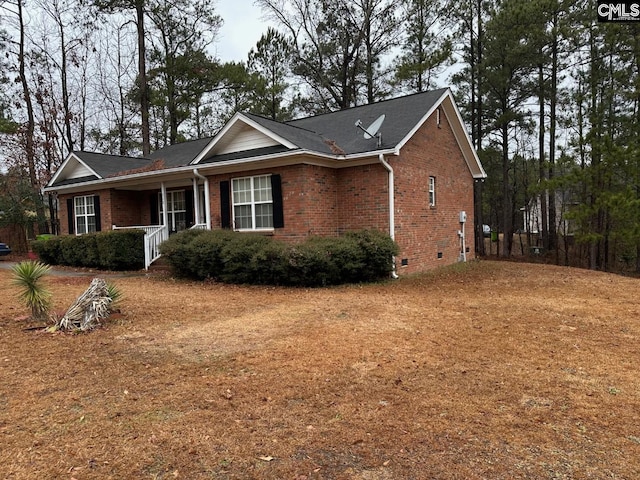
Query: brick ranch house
<point x="321" y="175"/>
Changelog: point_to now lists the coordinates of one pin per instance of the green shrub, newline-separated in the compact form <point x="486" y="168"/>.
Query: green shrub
<point x="205" y="253"/>
<point x="71" y="252"/>
<point x="238" y="257"/>
<point x="48" y="250"/>
<point x="310" y="264"/>
<point x="120" y="249"/>
<point x="257" y="259"/>
<point x="177" y="251"/>
<point x="111" y="250"/>
<point x="86" y="250"/>
<point x="377" y="249"/>
<point x="269" y="265"/>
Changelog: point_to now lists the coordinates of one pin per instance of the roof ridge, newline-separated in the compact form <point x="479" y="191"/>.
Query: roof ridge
<point x="285" y="123"/>
<point x="76" y="152"/>
<point x="386" y="100"/>
<point x="177" y="144"/>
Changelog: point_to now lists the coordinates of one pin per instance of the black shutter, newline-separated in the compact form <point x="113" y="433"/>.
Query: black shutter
<point x="225" y="205"/>
<point x="276" y="193"/>
<point x="188" y="202"/>
<point x="96" y="210"/>
<point x="153" y="205"/>
<point x="70" y="216"/>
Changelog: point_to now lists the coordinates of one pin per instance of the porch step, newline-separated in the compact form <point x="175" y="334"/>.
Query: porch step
<point x="160" y="265"/>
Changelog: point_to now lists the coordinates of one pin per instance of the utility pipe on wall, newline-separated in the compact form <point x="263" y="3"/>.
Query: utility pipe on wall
<point x="392" y="219"/>
<point x="461" y="233"/>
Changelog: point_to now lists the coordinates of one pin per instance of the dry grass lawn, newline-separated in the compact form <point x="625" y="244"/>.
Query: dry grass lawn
<point x="484" y="371"/>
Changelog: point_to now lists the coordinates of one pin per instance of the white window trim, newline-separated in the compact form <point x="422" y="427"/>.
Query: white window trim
<point x="432" y="191"/>
<point x="171" y="211"/>
<point x="253" y="204"/>
<point x="85" y="215"/>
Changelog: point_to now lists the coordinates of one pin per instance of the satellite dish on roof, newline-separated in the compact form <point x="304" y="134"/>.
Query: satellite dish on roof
<point x="373" y="129"/>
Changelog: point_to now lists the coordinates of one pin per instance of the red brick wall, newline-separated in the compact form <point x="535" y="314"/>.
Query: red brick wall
<point x="364" y="198"/>
<point x="423" y="231"/>
<point x="325" y="201"/>
<point x="309" y="197"/>
<point x="117" y="207"/>
<point x="127" y="207"/>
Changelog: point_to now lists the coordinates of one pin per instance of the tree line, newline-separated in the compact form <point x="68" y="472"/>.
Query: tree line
<point x="550" y="95"/>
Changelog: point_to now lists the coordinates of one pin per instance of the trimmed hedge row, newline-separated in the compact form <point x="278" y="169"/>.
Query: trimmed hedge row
<point x="112" y="250"/>
<point x="232" y="257"/>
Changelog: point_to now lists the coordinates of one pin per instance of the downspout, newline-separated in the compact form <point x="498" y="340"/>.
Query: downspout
<point x="207" y="204"/>
<point x="196" y="201"/>
<point x="165" y="213"/>
<point x="392" y="222"/>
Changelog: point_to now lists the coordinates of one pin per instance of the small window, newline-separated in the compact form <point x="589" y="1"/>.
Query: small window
<point x="252" y="203"/>
<point x="84" y="210"/>
<point x="432" y="191"/>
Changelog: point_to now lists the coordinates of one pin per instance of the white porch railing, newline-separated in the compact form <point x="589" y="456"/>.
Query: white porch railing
<point x="154" y="236"/>
<point x="199" y="226"/>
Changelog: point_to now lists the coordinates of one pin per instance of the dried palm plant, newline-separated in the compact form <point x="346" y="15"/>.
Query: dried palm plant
<point x="89" y="309"/>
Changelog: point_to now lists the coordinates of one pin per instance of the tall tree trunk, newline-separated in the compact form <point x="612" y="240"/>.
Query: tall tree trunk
<point x="553" y="100"/>
<point x="507" y="213"/>
<point x="66" y="110"/>
<point x="595" y="118"/>
<point x="30" y="127"/>
<point x="475" y="55"/>
<point x="142" y="79"/>
<point x="544" y="220"/>
<point x="479" y="77"/>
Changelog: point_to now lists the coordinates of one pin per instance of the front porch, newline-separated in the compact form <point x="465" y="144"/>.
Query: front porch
<point x="175" y="210"/>
<point x="153" y="238"/>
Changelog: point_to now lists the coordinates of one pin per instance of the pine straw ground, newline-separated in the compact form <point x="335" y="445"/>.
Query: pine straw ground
<point x="484" y="371"/>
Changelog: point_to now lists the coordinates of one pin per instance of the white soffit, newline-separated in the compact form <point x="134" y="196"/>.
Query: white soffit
<point x="71" y="168"/>
<point x="241" y="134"/>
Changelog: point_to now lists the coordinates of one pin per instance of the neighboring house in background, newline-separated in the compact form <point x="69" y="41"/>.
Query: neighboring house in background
<point x="532" y="214"/>
<point x="320" y="175"/>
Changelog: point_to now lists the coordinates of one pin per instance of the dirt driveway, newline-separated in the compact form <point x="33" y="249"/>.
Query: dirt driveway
<point x="483" y="371"/>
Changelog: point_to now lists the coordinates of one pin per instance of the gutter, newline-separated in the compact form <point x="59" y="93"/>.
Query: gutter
<point x="168" y="172"/>
<point x="392" y="221"/>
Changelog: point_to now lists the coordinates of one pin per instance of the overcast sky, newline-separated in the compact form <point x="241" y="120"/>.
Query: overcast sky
<point x="243" y="27"/>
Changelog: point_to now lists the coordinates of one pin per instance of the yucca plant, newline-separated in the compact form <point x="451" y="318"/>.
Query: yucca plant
<point x="28" y="276"/>
<point x="115" y="294"/>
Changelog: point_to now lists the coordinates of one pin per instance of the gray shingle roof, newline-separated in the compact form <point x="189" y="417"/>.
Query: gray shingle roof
<point x="303" y="138"/>
<point x="110" y="165"/>
<point x="401" y="116"/>
<point x="107" y="166"/>
<point x="336" y="132"/>
<point x="332" y="133"/>
<point x="180" y="154"/>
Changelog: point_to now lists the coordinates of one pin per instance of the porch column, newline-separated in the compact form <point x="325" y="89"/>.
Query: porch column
<point x="207" y="205"/>
<point x="196" y="201"/>
<point x="165" y="206"/>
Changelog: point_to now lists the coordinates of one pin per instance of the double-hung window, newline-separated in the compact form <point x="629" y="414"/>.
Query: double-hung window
<point x="85" y="214"/>
<point x="432" y="191"/>
<point x="176" y="210"/>
<point x="252" y="203"/>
